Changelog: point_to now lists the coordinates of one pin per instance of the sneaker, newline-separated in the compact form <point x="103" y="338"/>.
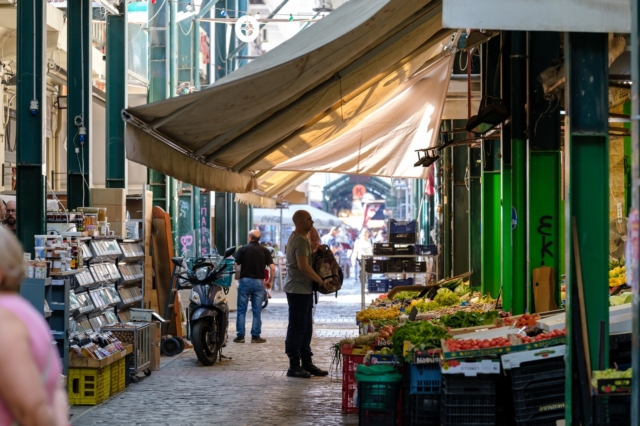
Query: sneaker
<point x="239" y="339"/>
<point x="255" y="339"/>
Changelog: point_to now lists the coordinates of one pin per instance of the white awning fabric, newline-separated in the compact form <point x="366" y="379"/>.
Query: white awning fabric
<point x="321" y="219"/>
<point x="385" y="142"/>
<point x="290" y="99"/>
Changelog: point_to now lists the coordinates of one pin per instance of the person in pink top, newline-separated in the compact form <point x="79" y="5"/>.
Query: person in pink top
<point x="31" y="391"/>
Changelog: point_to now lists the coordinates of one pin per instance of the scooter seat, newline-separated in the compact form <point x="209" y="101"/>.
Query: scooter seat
<point x="177" y="261"/>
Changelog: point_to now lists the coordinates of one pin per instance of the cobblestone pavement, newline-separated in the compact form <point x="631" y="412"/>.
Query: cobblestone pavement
<point x="251" y="388"/>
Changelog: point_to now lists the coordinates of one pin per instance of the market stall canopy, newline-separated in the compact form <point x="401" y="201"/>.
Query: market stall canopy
<point x="385" y="142"/>
<point x="272" y="186"/>
<point x="356" y="57"/>
<point x="321" y="219"/>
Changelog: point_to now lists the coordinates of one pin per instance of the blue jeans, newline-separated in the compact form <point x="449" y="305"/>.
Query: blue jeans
<point x="250" y="288"/>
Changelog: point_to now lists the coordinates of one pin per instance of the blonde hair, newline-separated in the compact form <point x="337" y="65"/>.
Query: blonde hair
<point x="11" y="261"/>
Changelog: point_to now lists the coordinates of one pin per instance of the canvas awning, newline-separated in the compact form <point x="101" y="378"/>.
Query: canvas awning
<point x="271" y="187"/>
<point x="340" y="67"/>
<point x="385" y="142"/>
<point x="321" y="219"/>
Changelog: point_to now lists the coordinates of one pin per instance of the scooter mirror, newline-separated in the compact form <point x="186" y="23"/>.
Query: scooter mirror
<point x="229" y="252"/>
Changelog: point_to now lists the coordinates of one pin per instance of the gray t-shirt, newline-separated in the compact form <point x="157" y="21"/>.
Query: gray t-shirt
<point x="296" y="281"/>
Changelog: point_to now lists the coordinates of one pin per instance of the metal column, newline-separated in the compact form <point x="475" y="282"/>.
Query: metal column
<point x="519" y="167"/>
<point x="31" y="182"/>
<point x="587" y="201"/>
<point x="158" y="85"/>
<point x="117" y="76"/>
<point x="635" y="203"/>
<point x="220" y="50"/>
<point x="544" y="205"/>
<point x="475" y="216"/>
<point x="506" y="237"/>
<point x="80" y="85"/>
<point x="460" y="204"/>
<point x="196" y="42"/>
<point x="447" y="201"/>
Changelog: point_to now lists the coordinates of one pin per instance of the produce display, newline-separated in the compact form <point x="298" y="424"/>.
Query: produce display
<point x="446" y="297"/>
<point x="545" y="336"/>
<point x="421" y="334"/>
<point x="611" y="374"/>
<point x="462" y="319"/>
<point x="621" y="299"/>
<point x="378" y="313"/>
<point x="617" y="273"/>
<point x="475" y="344"/>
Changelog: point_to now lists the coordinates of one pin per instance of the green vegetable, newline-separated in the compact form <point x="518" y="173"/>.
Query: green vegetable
<point x="420" y="333"/>
<point x="405" y="295"/>
<point x="469" y="319"/>
<point x="428" y="306"/>
<point x="451" y="284"/>
<point x="462" y="289"/>
<point x="447" y="298"/>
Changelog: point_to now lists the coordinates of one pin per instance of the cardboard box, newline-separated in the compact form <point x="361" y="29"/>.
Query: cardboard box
<point x="154" y="342"/>
<point x="118" y="228"/>
<point x="471" y="368"/>
<point x="109" y="196"/>
<point x="114" y="213"/>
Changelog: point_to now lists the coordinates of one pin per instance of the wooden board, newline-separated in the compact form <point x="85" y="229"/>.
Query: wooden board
<point x="162" y="244"/>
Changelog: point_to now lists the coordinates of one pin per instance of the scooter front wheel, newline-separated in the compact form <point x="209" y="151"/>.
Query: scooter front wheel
<point x="206" y="350"/>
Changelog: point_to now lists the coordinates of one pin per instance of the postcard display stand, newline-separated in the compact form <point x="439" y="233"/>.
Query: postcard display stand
<point x="130" y="286"/>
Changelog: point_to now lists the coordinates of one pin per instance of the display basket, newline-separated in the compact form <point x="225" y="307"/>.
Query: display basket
<point x="539" y="400"/>
<point x="118" y="376"/>
<point x="459" y="384"/>
<point x="396" y="283"/>
<point x="139" y="336"/>
<point x="382" y="249"/>
<point x="462" y="410"/>
<point x="425" y="379"/>
<point x="412" y="265"/>
<point x="404" y="249"/>
<point x="350" y="362"/>
<point x="378" y="285"/>
<point x="398" y="227"/>
<point x="394" y="265"/>
<point x="422" y="410"/>
<point x="612" y="410"/>
<point x="376" y="266"/>
<point x="429" y="250"/>
<point x="89" y="386"/>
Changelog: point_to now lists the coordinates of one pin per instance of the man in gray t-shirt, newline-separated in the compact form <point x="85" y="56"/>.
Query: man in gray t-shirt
<point x="299" y="289"/>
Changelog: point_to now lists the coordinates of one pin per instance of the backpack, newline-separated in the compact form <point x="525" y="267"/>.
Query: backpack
<point x="326" y="265"/>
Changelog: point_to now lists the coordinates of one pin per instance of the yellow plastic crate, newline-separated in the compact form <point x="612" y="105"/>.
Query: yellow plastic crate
<point x="118" y="372"/>
<point x="89" y="386"/>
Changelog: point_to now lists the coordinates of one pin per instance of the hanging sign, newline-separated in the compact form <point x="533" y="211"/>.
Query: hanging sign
<point x="359" y="191"/>
<point x="247" y="28"/>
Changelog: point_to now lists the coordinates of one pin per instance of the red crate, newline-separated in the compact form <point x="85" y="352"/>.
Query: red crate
<point x="350" y="364"/>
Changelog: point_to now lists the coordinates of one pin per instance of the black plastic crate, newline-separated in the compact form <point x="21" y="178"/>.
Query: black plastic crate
<point x="612" y="410"/>
<point x="537" y="371"/>
<point x="459" y="384"/>
<point x="415" y="266"/>
<point x="378" y="285"/>
<point x="540" y="400"/>
<point x="461" y="410"/>
<point x="547" y="420"/>
<point x="423" y="409"/>
<point x="376" y="266"/>
<point x="404" y="249"/>
<point x="383" y="249"/>
<point x="403" y="238"/>
<point x="396" y="283"/>
<point x="430" y="249"/>
<point x="398" y="227"/>
<point x="378" y="403"/>
<point x="394" y="265"/>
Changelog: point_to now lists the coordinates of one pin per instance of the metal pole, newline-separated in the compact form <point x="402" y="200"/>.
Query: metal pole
<point x="173" y="47"/>
<point x="506" y="250"/>
<point x="31" y="178"/>
<point x="220" y="50"/>
<point x="117" y="56"/>
<point x="635" y="204"/>
<point x="80" y="84"/>
<point x="586" y="203"/>
<point x="158" y="85"/>
<point x="519" y="166"/>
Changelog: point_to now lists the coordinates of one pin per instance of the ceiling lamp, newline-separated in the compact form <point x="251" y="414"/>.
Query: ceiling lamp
<point x="324" y="7"/>
<point x="489" y="116"/>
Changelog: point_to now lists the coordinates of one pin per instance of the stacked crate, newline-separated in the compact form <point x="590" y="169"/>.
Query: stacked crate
<point x="468" y="400"/>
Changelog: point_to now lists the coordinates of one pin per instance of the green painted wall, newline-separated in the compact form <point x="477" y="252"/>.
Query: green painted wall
<point x="544" y="219"/>
<point x="490" y="228"/>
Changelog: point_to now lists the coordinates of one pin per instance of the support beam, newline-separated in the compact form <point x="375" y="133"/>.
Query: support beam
<point x="187" y="28"/>
<point x="506" y="237"/>
<point x="518" y="59"/>
<point x="117" y="76"/>
<point x="587" y="200"/>
<point x="220" y="49"/>
<point x="243" y="7"/>
<point x="79" y="101"/>
<point x="196" y="41"/>
<point x="31" y="121"/>
<point x="635" y="203"/>
<point x="544" y="172"/>
<point x="475" y="217"/>
<point x="158" y="85"/>
<point x="173" y="48"/>
<point x="232" y="9"/>
<point x="460" y="204"/>
<point x="447" y="201"/>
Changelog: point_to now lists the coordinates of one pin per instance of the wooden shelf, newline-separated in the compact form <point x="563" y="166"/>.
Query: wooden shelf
<point x="67" y="273"/>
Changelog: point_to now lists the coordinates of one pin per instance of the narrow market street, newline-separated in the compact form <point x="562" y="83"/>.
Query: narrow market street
<point x="251" y="388"/>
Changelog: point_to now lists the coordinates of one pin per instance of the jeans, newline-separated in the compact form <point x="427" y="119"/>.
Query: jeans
<point x="300" y="329"/>
<point x="250" y="288"/>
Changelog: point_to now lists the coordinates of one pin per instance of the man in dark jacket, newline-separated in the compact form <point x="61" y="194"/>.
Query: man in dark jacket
<point x="251" y="262"/>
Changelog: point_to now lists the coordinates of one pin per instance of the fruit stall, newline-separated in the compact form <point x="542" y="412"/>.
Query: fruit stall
<point x="446" y="355"/>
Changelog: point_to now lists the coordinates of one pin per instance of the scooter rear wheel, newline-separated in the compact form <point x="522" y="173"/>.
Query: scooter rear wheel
<point x="170" y="347"/>
<point x="206" y="351"/>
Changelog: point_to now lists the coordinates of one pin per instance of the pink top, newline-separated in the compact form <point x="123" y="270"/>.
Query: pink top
<point x="40" y="342"/>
